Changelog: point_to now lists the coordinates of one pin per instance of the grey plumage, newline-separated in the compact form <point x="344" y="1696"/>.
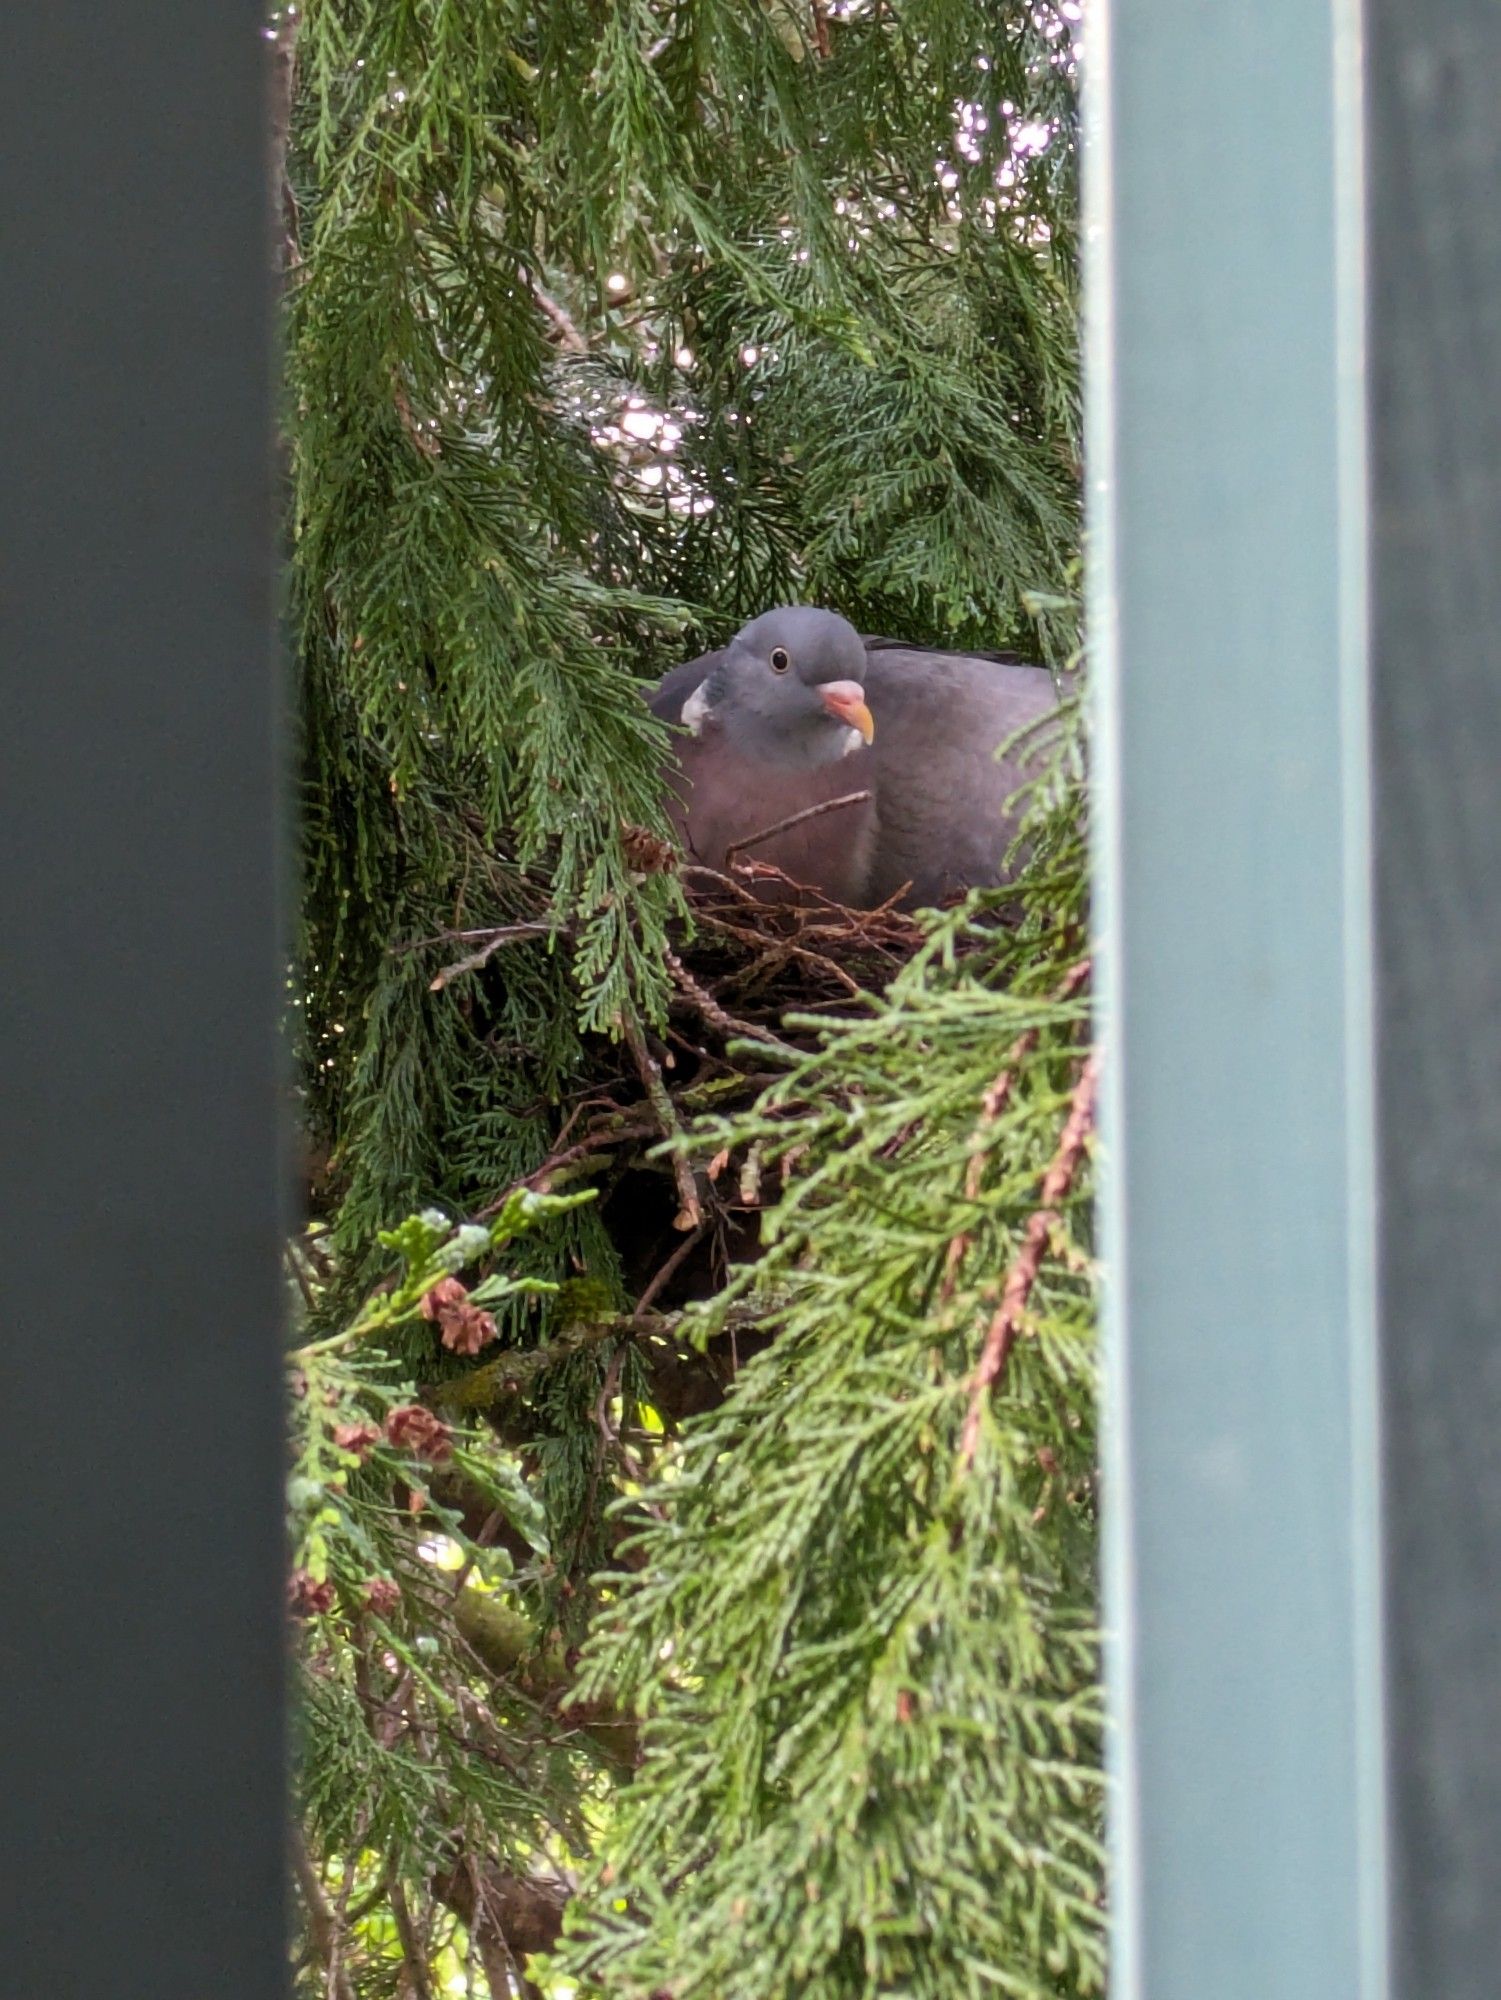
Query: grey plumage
<point x="772" y="740"/>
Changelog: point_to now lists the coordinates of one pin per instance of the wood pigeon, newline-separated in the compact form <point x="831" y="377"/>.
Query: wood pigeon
<point x="799" y="710"/>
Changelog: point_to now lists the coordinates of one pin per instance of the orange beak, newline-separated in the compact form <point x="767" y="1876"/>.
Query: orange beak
<point x="846" y="699"/>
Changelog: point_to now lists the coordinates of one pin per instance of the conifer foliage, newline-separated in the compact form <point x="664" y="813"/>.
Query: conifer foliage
<point x="757" y="1637"/>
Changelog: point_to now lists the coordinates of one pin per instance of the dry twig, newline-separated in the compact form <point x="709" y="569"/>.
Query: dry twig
<point x="1005" y="1324"/>
<point x="992" y="1104"/>
<point x="690" y="1209"/>
<point x="792" y="819"/>
<point x="322" y="1926"/>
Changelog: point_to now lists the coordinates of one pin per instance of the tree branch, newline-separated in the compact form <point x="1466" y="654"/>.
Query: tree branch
<point x="413" y="1950"/>
<point x="681" y="1379"/>
<point x="505" y="1643"/>
<point x="283" y="91"/>
<point x="568" y="335"/>
<point x="509" y="1916"/>
<point x="992" y="1104"/>
<point x="1000" y="1335"/>
<point x="728" y="1024"/>
<point x="322" y="1928"/>
<point x="792" y="819"/>
<point x="690" y="1209"/>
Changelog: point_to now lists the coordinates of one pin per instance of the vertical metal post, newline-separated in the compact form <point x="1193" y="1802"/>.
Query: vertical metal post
<point x="1434" y="149"/>
<point x="1227" y="616"/>
<point x="140" y="1729"/>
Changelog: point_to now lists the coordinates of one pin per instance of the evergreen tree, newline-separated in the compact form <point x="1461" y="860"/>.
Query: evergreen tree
<point x="608" y="326"/>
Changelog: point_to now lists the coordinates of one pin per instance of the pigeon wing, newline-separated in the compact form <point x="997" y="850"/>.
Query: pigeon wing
<point x="947" y="807"/>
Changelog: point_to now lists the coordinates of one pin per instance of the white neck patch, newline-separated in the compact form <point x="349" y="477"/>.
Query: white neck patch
<point x="696" y="710"/>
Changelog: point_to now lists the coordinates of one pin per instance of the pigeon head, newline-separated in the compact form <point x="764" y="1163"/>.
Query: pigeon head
<point x="788" y="690"/>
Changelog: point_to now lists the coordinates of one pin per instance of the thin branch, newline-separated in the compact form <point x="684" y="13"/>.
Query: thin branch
<point x="780" y="950"/>
<point x="507" y="934"/>
<point x="682" y="1379"/>
<point x="283" y="93"/>
<point x="709" y="1007"/>
<point x="323" y="1930"/>
<point x="421" y="440"/>
<point x="596" y="1142"/>
<point x="304" y="1283"/>
<point x="690" y="1209"/>
<point x="509" y="1647"/>
<point x="508" y="1916"/>
<point x="510" y="1976"/>
<point x="568" y="335"/>
<point x="1000" y="1335"/>
<point x="992" y="1104"/>
<point x="654" y="1289"/>
<point x="793" y="819"/>
<point x="413" y="1952"/>
<point x="338" y="1980"/>
<point x="607" y="1388"/>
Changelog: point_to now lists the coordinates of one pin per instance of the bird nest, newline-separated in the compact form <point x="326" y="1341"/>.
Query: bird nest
<point x="759" y="964"/>
<point x="765" y="947"/>
<point x="671" y="1124"/>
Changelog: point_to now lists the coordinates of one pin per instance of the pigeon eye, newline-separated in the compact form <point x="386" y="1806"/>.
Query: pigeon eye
<point x="781" y="659"/>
